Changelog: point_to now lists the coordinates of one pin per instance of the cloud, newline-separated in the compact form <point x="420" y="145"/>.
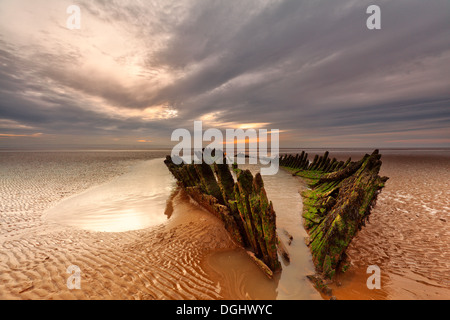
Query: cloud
<point x="309" y="68"/>
<point x="9" y="135"/>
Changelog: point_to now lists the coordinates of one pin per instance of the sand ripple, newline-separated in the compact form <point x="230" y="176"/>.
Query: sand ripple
<point x="161" y="262"/>
<point x="408" y="236"/>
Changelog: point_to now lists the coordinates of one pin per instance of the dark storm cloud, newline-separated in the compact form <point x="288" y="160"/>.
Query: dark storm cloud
<point x="312" y="59"/>
<point x="298" y="65"/>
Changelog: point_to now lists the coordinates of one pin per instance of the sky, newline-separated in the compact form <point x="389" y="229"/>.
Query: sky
<point x="137" y="70"/>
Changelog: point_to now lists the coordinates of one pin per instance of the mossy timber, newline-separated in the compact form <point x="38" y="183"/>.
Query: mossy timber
<point x="337" y="203"/>
<point x="243" y="206"/>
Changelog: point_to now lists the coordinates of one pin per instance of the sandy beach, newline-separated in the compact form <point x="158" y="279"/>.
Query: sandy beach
<point x="408" y="236"/>
<point x="160" y="262"/>
<point x="55" y="214"/>
<point x="188" y="254"/>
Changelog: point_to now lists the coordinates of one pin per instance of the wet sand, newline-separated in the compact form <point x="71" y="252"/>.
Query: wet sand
<point x="189" y="255"/>
<point x="120" y="218"/>
<point x="158" y="262"/>
<point x="408" y="236"/>
<point x="240" y="278"/>
<point x="132" y="201"/>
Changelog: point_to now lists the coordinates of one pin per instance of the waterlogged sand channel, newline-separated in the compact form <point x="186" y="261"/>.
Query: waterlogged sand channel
<point x="242" y="280"/>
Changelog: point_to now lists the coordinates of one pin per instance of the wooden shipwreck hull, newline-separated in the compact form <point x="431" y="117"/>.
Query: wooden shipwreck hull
<point x="243" y="206"/>
<point x="337" y="204"/>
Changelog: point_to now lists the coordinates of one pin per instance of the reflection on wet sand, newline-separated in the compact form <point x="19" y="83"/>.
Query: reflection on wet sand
<point x="132" y="201"/>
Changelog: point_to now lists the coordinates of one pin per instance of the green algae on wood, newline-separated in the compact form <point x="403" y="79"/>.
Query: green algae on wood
<point x="337" y="204"/>
<point x="243" y="206"/>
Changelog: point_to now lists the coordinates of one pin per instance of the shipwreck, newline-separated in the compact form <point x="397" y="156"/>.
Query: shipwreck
<point x="336" y="205"/>
<point x="242" y="205"/>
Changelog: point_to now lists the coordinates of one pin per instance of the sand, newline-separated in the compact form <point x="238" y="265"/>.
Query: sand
<point x="239" y="278"/>
<point x="189" y="255"/>
<point x="108" y="214"/>
<point x="408" y="236"/>
<point x="159" y="262"/>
